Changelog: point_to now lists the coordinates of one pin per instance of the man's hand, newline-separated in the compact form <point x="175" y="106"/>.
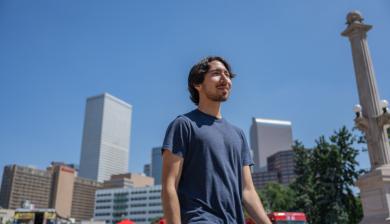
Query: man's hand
<point x="251" y="200"/>
<point x="171" y="172"/>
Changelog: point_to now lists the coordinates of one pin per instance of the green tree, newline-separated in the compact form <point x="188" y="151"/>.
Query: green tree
<point x="344" y="141"/>
<point x="303" y="184"/>
<point x="325" y="179"/>
<point x="327" y="184"/>
<point x="276" y="197"/>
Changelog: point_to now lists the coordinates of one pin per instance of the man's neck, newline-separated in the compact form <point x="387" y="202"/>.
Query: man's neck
<point x="211" y="108"/>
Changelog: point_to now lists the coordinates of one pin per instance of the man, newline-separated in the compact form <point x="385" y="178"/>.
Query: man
<point x="206" y="160"/>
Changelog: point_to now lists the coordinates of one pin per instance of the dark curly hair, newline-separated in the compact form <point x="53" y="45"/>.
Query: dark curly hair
<point x="198" y="72"/>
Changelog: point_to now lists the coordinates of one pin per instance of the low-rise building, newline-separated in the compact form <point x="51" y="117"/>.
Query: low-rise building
<point x="283" y="163"/>
<point x="280" y="169"/>
<point x="58" y="187"/>
<point x="261" y="178"/>
<point x="128" y="180"/>
<point x="142" y="204"/>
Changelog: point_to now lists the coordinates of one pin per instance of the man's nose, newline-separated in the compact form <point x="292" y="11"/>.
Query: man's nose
<point x="224" y="78"/>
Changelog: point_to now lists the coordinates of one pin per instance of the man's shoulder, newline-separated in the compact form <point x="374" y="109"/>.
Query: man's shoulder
<point x="235" y="128"/>
<point x="184" y="119"/>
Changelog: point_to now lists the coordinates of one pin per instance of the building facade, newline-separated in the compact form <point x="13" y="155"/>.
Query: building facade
<point x="156" y="165"/>
<point x="83" y="199"/>
<point x="106" y="138"/>
<point x="57" y="187"/>
<point x="280" y="169"/>
<point x="268" y="137"/>
<point x="283" y="163"/>
<point x="127" y="180"/>
<point x="21" y="183"/>
<point x="141" y="205"/>
<point x="261" y="178"/>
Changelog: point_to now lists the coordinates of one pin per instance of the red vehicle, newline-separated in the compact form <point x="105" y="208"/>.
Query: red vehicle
<point x="287" y="217"/>
<point x="283" y="218"/>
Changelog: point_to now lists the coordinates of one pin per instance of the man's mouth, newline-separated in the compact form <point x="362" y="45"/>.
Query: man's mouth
<point x="223" y="88"/>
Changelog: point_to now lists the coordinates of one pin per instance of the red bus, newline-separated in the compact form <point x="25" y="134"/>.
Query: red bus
<point x="283" y="218"/>
<point x="287" y="217"/>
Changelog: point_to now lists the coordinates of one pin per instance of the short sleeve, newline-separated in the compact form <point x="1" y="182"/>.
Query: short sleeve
<point x="177" y="137"/>
<point x="245" y="152"/>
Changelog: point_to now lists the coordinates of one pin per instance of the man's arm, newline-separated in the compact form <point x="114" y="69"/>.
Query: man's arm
<point x="171" y="172"/>
<point x="251" y="200"/>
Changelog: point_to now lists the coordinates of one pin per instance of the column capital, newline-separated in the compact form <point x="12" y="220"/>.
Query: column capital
<point x="355" y="24"/>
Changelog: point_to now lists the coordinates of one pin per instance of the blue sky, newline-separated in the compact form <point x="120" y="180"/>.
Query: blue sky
<point x="292" y="64"/>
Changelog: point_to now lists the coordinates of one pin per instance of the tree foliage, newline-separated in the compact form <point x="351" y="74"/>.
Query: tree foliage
<point x="325" y="179"/>
<point x="277" y="197"/>
<point x="303" y="186"/>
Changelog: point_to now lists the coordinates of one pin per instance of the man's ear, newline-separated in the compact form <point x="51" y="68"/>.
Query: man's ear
<point x="197" y="87"/>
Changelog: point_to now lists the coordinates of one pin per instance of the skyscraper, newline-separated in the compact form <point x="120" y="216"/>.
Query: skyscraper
<point x="268" y="137"/>
<point x="106" y="137"/>
<point x="156" y="165"/>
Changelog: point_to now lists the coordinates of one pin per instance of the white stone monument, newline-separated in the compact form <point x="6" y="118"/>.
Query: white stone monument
<point x="372" y="117"/>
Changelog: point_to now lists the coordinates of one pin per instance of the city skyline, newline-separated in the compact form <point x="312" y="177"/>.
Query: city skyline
<point x="291" y="61"/>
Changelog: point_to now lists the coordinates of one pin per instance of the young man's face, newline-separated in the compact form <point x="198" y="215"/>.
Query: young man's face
<point x="217" y="83"/>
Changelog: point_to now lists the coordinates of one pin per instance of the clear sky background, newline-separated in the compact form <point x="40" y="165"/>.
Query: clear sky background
<point x="292" y="64"/>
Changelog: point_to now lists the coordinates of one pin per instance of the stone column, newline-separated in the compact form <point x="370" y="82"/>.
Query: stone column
<point x="375" y="185"/>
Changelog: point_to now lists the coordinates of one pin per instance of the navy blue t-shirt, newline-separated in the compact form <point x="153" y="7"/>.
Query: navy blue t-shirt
<point x="214" y="152"/>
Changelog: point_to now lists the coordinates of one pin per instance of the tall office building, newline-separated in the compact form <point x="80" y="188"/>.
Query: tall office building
<point x="106" y="138"/>
<point x="156" y="165"/>
<point x="268" y="137"/>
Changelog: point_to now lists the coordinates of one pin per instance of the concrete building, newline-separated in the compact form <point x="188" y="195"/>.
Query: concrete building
<point x="63" y="178"/>
<point x="268" y="137"/>
<point x="280" y="169"/>
<point x="106" y="137"/>
<point x="24" y="183"/>
<point x="141" y="205"/>
<point x="261" y="178"/>
<point x="156" y="165"/>
<point x="283" y="163"/>
<point x="75" y="167"/>
<point x="57" y="187"/>
<point x="128" y="180"/>
<point x="83" y="199"/>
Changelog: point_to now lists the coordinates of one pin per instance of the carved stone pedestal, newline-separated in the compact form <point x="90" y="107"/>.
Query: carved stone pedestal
<point x="375" y="194"/>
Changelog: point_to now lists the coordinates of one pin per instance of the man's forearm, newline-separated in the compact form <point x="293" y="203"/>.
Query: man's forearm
<point x="254" y="207"/>
<point x="171" y="206"/>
